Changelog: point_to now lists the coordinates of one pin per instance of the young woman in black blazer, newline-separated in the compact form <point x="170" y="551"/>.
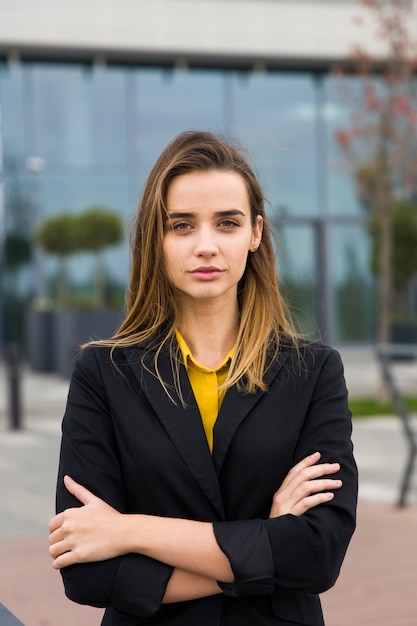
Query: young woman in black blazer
<point x="177" y="505"/>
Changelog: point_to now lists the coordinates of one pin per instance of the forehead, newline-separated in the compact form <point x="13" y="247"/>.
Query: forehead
<point x="218" y="189"/>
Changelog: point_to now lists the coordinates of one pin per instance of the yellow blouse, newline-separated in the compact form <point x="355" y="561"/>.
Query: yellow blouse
<point x="205" y="384"/>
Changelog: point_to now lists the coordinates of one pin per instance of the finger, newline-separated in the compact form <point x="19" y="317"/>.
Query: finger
<point x="56" y="535"/>
<point x="312" y="501"/>
<point x="316" y="486"/>
<point x="57" y="549"/>
<point x="284" y="500"/>
<point x="321" y="469"/>
<point x="78" y="491"/>
<point x="316" y="492"/>
<point x="308" y="461"/>
<point x="63" y="560"/>
<point x="305" y="473"/>
<point x="65" y="554"/>
<point x="315" y="472"/>
<point x="55" y="522"/>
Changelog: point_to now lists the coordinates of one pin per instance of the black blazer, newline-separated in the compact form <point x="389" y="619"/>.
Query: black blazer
<point x="126" y="441"/>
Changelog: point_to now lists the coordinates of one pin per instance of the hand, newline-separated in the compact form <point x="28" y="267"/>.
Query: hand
<point x="304" y="487"/>
<point x="92" y="532"/>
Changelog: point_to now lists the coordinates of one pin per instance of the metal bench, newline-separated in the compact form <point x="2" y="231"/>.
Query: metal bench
<point x="386" y="354"/>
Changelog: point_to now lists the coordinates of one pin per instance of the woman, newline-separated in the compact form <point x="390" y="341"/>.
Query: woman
<point x="209" y="446"/>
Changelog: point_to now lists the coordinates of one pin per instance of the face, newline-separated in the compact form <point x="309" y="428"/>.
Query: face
<point x="208" y="235"/>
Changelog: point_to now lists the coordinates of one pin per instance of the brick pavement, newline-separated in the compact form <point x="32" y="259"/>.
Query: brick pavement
<point x="378" y="582"/>
<point x="33" y="591"/>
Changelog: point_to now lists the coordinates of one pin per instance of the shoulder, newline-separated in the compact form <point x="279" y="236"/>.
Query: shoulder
<point x="98" y="361"/>
<point x="91" y="356"/>
<point x="88" y="365"/>
<point x="314" y="372"/>
<point x="310" y="358"/>
<point x="302" y="350"/>
<point x="103" y="369"/>
<point x="317" y="351"/>
<point x="107" y="353"/>
<point x="112" y="361"/>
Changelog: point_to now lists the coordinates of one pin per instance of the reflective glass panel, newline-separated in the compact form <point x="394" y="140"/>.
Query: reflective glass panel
<point x="353" y="288"/>
<point x="76" y="136"/>
<point x="297" y="267"/>
<point x="275" y="116"/>
<point x="168" y="102"/>
<point x="77" y="114"/>
<point x="337" y="112"/>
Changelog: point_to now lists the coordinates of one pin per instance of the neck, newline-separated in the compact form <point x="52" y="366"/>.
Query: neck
<point x="210" y="333"/>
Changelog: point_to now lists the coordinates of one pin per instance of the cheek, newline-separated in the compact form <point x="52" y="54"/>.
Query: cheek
<point x="239" y="261"/>
<point x="173" y="256"/>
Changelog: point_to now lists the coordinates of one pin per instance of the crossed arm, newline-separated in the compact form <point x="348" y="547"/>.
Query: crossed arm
<point x="96" y="531"/>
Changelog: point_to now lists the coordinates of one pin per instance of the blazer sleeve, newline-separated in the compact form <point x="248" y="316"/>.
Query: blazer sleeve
<point x="302" y="553"/>
<point x="132" y="583"/>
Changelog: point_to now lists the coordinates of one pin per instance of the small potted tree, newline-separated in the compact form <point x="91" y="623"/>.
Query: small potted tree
<point x="403" y="326"/>
<point x="73" y="321"/>
<point x="56" y="236"/>
<point x="97" y="229"/>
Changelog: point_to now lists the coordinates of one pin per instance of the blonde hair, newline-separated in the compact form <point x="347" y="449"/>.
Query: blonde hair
<point x="151" y="310"/>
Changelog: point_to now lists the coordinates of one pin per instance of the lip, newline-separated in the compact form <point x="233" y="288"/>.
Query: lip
<point x="206" y="272"/>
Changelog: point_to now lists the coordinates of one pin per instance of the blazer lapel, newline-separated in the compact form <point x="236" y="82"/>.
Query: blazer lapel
<point x="183" y="424"/>
<point x="235" y="408"/>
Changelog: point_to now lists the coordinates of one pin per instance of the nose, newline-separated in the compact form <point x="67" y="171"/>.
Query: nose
<point x="206" y="242"/>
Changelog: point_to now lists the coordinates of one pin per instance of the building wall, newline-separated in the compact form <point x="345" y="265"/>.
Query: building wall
<point x="76" y="136"/>
<point x="87" y="131"/>
<point x="263" y="31"/>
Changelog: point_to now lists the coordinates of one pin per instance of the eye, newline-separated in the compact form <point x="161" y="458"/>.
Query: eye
<point x="181" y="226"/>
<point x="229" y="224"/>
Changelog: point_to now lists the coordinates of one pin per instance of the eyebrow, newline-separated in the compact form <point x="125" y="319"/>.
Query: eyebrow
<point x="189" y="214"/>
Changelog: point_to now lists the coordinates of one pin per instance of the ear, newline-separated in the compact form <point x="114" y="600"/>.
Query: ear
<point x="257" y="233"/>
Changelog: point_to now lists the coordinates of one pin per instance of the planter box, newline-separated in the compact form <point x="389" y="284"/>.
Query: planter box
<point x="73" y="328"/>
<point x="40" y="340"/>
<point x="405" y="335"/>
<point x="54" y="337"/>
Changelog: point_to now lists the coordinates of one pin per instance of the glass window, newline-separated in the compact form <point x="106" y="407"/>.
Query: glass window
<point x="352" y="284"/>
<point x="297" y="267"/>
<point x="336" y="114"/>
<point x="12" y="94"/>
<point x="76" y="136"/>
<point x="77" y="115"/>
<point x="274" y="115"/>
<point x="69" y="193"/>
<point x="168" y="102"/>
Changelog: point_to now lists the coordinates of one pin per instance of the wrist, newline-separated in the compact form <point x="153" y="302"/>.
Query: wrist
<point x="131" y="533"/>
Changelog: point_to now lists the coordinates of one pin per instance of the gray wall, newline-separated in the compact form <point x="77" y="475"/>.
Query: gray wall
<point x="257" y="29"/>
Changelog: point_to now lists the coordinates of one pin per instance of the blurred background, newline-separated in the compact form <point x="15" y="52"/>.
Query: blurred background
<point x="323" y="95"/>
<point x="90" y="93"/>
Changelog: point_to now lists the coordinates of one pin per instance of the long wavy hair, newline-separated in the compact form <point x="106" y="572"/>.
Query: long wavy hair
<point x="151" y="308"/>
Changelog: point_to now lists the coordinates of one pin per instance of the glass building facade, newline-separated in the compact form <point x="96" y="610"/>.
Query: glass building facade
<point x="78" y="135"/>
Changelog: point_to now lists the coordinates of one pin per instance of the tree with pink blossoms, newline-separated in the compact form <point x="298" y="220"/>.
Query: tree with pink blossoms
<point x="380" y="141"/>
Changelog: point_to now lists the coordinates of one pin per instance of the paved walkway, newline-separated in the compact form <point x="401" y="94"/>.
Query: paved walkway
<point x="378" y="581"/>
